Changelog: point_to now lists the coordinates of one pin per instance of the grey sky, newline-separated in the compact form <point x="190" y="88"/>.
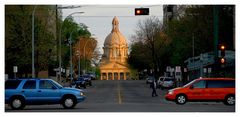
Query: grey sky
<point x="99" y="18"/>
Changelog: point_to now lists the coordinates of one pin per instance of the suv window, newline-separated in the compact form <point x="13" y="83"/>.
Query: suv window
<point x="12" y="84"/>
<point x="30" y="84"/>
<point x="200" y="84"/>
<point x="45" y="84"/>
<point x="229" y="83"/>
<point x="221" y="84"/>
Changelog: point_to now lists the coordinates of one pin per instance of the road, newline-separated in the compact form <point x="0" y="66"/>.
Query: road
<point x="127" y="96"/>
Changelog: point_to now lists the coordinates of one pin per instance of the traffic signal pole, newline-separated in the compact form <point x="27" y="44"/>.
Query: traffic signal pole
<point x="215" y="35"/>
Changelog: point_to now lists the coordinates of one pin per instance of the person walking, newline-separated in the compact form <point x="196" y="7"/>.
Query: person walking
<point x="154" y="86"/>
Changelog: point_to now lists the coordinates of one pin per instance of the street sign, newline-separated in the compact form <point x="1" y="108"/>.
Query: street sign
<point x="168" y="69"/>
<point x="15" y="70"/>
<point x="178" y="69"/>
<point x="209" y="70"/>
<point x="205" y="70"/>
<point x="185" y="69"/>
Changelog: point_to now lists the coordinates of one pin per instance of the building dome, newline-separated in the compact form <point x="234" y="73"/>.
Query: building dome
<point x="114" y="64"/>
<point x="115" y="38"/>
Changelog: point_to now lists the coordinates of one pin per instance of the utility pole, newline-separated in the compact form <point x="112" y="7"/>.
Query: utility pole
<point x="33" y="68"/>
<point x="215" y="34"/>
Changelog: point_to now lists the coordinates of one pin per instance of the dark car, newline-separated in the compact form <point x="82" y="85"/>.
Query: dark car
<point x="92" y="75"/>
<point x="87" y="79"/>
<point x="21" y="92"/>
<point x="80" y="82"/>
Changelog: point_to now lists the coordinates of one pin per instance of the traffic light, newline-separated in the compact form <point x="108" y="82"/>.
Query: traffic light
<point x="222" y="59"/>
<point x="141" y="11"/>
<point x="222" y="48"/>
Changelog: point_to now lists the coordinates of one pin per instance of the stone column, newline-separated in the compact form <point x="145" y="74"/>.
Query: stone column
<point x="118" y="75"/>
<point x="125" y="76"/>
<point x="107" y="75"/>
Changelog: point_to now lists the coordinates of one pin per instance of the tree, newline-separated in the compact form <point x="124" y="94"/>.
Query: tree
<point x="140" y="56"/>
<point x="150" y="39"/>
<point x="86" y="48"/>
<point x="18" y="37"/>
<point x="76" y="31"/>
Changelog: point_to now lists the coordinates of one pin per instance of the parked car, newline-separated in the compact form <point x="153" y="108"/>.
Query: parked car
<point x="166" y="82"/>
<point x="92" y="75"/>
<point x="205" y="89"/>
<point x="21" y="92"/>
<point x="87" y="79"/>
<point x="80" y="82"/>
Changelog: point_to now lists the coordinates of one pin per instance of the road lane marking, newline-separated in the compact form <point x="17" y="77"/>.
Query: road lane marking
<point x="119" y="94"/>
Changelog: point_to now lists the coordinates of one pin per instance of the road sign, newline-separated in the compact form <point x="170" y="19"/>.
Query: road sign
<point x="209" y="70"/>
<point x="178" y="69"/>
<point x="15" y="69"/>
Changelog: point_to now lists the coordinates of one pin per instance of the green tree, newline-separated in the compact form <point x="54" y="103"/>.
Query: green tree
<point x="18" y="37"/>
<point x="75" y="31"/>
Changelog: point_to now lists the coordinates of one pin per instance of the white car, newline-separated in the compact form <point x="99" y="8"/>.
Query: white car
<point x="166" y="82"/>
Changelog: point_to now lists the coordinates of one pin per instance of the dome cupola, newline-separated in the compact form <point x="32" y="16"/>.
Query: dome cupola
<point x="115" y="38"/>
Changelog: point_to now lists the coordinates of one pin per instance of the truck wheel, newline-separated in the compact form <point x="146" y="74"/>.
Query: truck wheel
<point x="17" y="103"/>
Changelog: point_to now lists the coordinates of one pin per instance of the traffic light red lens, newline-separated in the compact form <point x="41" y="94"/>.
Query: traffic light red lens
<point x="222" y="60"/>
<point x="138" y="11"/>
<point x="222" y="47"/>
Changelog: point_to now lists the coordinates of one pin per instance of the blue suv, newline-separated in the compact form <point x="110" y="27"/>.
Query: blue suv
<point x="21" y="92"/>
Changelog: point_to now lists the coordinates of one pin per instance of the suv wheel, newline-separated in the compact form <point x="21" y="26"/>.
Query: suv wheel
<point x="229" y="100"/>
<point x="17" y="103"/>
<point x="181" y="99"/>
<point x="69" y="102"/>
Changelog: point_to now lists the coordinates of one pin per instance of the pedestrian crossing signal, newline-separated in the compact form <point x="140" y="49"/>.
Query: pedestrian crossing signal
<point x="141" y="11"/>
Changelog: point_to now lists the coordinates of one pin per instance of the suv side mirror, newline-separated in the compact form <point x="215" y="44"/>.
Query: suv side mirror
<point x="191" y="87"/>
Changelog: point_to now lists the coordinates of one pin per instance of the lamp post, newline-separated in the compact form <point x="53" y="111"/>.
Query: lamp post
<point x="78" y="55"/>
<point x="85" y="57"/>
<point x="71" y="70"/>
<point x="33" y="68"/>
<point x="60" y="43"/>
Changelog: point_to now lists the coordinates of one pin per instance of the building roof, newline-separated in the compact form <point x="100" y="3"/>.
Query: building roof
<point x="115" y="38"/>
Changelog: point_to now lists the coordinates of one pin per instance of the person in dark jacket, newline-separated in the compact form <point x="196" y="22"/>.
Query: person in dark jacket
<point x="154" y="86"/>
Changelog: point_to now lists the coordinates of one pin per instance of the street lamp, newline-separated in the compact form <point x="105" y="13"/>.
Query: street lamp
<point x="78" y="55"/>
<point x="85" y="56"/>
<point x="60" y="42"/>
<point x="33" y="68"/>
<point x="85" y="52"/>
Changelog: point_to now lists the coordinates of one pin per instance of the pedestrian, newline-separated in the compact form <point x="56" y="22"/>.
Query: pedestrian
<point x="154" y="86"/>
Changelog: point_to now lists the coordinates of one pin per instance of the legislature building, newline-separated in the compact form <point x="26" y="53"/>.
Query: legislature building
<point x="113" y="64"/>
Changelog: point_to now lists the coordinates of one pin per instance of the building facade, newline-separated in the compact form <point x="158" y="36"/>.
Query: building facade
<point x="113" y="65"/>
<point x="203" y="66"/>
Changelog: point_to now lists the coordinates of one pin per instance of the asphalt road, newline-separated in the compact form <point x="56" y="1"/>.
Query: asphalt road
<point x="127" y="96"/>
